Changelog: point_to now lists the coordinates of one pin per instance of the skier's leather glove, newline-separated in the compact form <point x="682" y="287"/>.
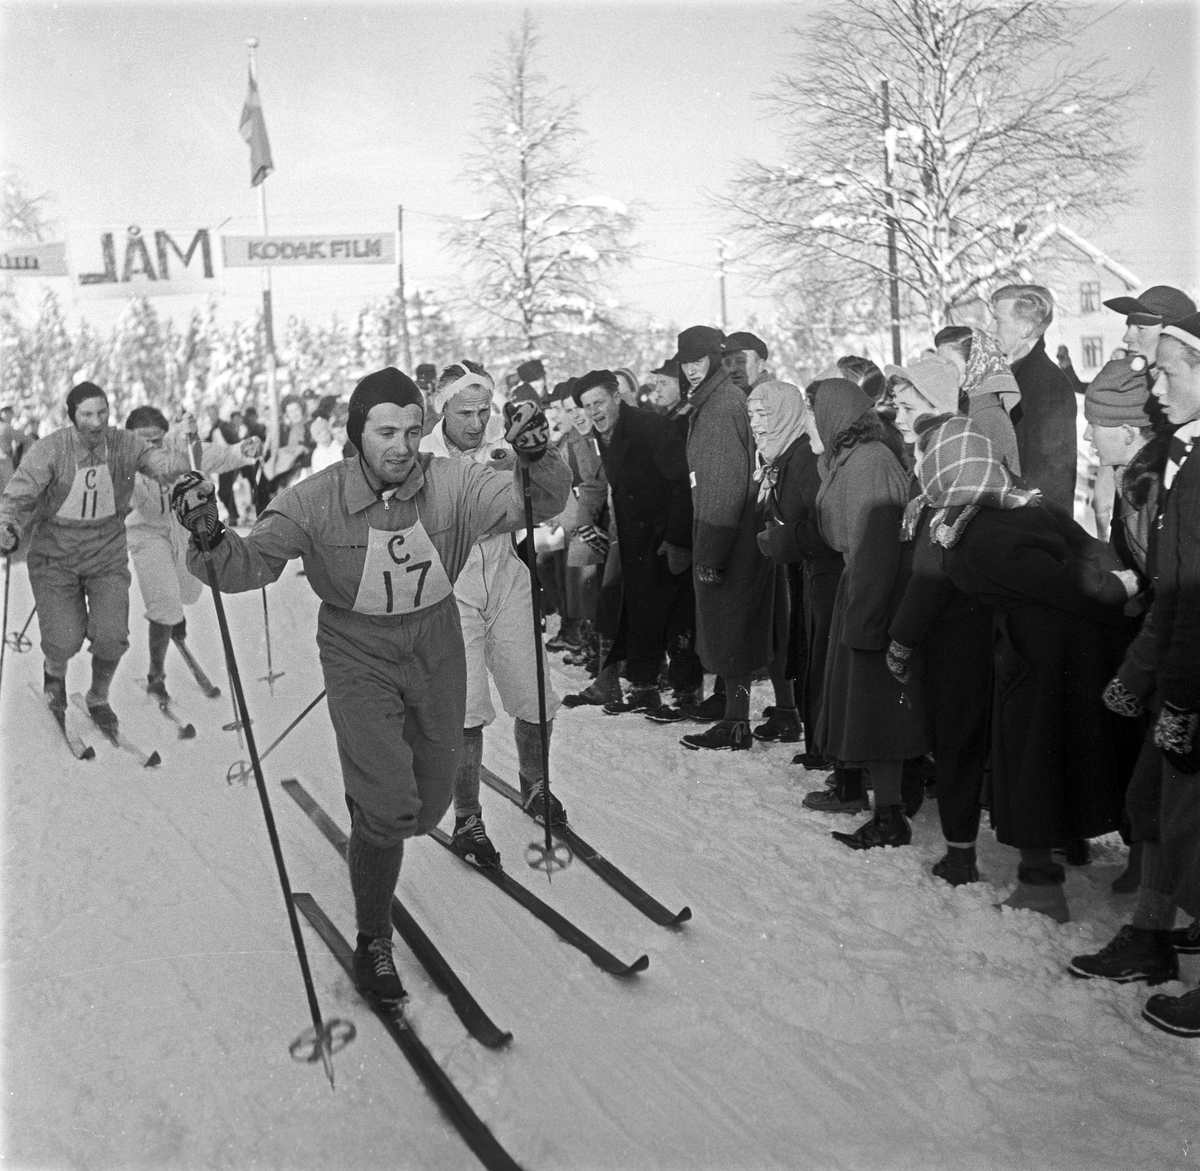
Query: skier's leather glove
<point x="1120" y="700"/>
<point x="1175" y="736"/>
<point x="679" y="559"/>
<point x="899" y="661"/>
<point x="527" y="430"/>
<point x="593" y="538"/>
<point x="10" y="538"/>
<point x="709" y="576"/>
<point x="194" y="501"/>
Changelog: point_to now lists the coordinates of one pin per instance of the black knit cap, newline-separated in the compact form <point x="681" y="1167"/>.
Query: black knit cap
<point x="531" y="371"/>
<point x="80" y="392"/>
<point x="384" y="386"/>
<point x="562" y="391"/>
<point x="745" y="341"/>
<point x="592" y="379"/>
<point x="699" y="341"/>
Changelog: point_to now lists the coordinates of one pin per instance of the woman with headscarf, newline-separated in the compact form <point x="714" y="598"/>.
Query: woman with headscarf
<point x="1058" y="601"/>
<point x="953" y="632"/>
<point x="988" y="387"/>
<point x="867" y="719"/>
<point x="788" y="484"/>
<point x="735" y="583"/>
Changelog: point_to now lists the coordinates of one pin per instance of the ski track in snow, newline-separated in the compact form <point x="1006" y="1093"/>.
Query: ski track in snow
<point x="823" y="1008"/>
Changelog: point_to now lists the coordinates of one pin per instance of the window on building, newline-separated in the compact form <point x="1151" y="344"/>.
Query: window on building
<point x="1089" y="297"/>
<point x="1093" y="352"/>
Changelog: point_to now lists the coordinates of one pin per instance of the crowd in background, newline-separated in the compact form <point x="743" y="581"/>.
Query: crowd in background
<point x="897" y="550"/>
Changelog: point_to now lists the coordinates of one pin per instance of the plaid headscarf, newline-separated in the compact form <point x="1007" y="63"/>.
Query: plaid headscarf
<point x="959" y="473"/>
<point x="988" y="371"/>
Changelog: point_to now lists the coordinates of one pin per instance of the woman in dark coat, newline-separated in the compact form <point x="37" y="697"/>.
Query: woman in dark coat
<point x="791" y="536"/>
<point x="735" y="583"/>
<point x="1058" y="615"/>
<point x="867" y="718"/>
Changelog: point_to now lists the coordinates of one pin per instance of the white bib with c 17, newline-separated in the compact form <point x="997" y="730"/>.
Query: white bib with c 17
<point x="402" y="573"/>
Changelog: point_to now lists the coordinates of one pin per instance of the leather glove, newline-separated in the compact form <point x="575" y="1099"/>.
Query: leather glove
<point x="708" y="575"/>
<point x="527" y="430"/>
<point x="1175" y="736"/>
<point x="899" y="661"/>
<point x="10" y="538"/>
<point x="679" y="559"/>
<point x="1120" y="700"/>
<point x="251" y="448"/>
<point x="593" y="538"/>
<point x="194" y="501"/>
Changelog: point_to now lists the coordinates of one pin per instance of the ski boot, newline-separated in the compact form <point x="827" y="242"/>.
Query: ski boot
<point x="723" y="736"/>
<point x="471" y="842"/>
<point x="375" y="974"/>
<point x="1133" y="954"/>
<point x="889" y="827"/>
<point x="534" y="803"/>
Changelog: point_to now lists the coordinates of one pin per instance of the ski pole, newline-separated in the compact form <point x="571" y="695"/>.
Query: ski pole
<point x="240" y="770"/>
<point x="322" y="1034"/>
<point x="271" y="675"/>
<point x="18" y="641"/>
<point x="7" y="573"/>
<point x="540" y="855"/>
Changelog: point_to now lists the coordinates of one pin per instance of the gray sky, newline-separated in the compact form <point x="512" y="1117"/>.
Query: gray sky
<point x="128" y="115"/>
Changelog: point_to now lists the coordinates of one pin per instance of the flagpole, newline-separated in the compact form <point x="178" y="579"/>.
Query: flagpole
<point x="268" y="318"/>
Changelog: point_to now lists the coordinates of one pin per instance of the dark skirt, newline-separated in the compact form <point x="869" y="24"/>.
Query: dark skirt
<point x="866" y="715"/>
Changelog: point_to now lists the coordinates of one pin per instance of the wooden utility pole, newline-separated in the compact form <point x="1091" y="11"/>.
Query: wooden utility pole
<point x="404" y="339"/>
<point x="893" y="264"/>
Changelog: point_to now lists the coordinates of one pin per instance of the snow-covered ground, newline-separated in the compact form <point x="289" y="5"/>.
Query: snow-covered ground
<point x="823" y="1008"/>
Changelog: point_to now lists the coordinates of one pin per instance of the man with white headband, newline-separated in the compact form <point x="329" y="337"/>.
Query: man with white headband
<point x="495" y="607"/>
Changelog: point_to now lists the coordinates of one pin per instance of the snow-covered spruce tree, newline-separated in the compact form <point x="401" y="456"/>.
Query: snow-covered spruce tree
<point x="998" y="129"/>
<point x="23" y="217"/>
<point x="50" y="355"/>
<point x="138" y="371"/>
<point x="537" y="256"/>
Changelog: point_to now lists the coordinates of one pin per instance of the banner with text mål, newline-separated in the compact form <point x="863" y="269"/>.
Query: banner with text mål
<point x="302" y="251"/>
<point x="34" y="259"/>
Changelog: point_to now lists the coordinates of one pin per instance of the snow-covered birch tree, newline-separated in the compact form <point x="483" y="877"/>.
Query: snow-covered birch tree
<point x="998" y="129"/>
<point x="537" y="255"/>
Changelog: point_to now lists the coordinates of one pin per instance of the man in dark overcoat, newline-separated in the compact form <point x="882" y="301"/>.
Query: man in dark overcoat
<point x="1044" y="419"/>
<point x="735" y="582"/>
<point x="647" y="470"/>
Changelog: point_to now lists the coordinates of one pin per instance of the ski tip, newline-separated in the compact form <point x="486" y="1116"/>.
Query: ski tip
<point x="187" y="732"/>
<point x="89" y="753"/>
<point x="638" y="965"/>
<point x="152" y="760"/>
<point x="682" y="917"/>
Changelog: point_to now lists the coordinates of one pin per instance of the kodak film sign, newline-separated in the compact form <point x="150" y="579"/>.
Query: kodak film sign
<point x="302" y="251"/>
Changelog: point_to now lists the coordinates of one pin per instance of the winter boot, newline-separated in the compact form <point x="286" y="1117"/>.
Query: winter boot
<point x="639" y="699"/>
<point x="889" y="827"/>
<point x="845" y="795"/>
<point x="1134" y="953"/>
<point x="1186" y="940"/>
<point x="723" y="736"/>
<point x="375" y="974"/>
<point x="160" y="639"/>
<point x="54" y="688"/>
<point x="102" y="715"/>
<point x="1040" y="890"/>
<point x="709" y="711"/>
<point x="782" y="726"/>
<point x="606" y="688"/>
<point x="1131" y="878"/>
<point x="1179" y="1015"/>
<point x="471" y="842"/>
<point x="567" y="637"/>
<point x="957" y="866"/>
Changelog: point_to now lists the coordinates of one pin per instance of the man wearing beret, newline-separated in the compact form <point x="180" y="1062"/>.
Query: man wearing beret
<point x="1045" y="418"/>
<point x="383" y="536"/>
<point x="1162" y="669"/>
<point x="745" y="360"/>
